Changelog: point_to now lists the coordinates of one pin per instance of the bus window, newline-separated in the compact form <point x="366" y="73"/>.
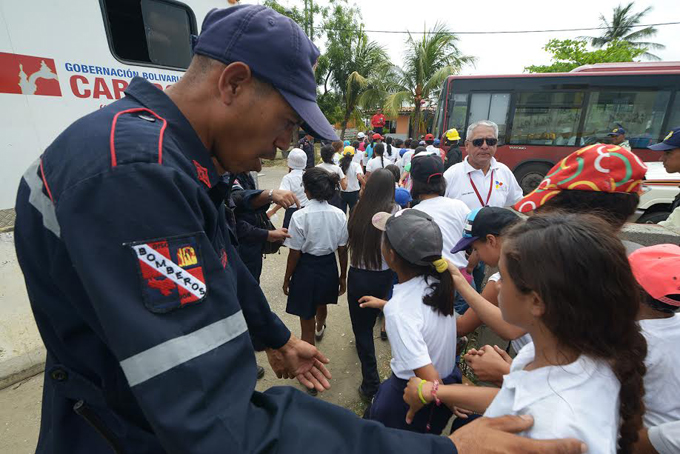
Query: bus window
<point x="152" y="32"/>
<point x="490" y="106"/>
<point x="674" y="119"/>
<point x="547" y="118"/>
<point x="640" y="113"/>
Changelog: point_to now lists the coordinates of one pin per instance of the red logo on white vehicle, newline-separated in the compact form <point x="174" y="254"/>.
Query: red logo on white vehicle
<point x="28" y="75"/>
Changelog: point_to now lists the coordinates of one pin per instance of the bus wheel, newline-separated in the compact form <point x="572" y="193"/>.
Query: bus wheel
<point x="529" y="176"/>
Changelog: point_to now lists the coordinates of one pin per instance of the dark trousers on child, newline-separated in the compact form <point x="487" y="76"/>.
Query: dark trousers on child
<point x="349" y="199"/>
<point x="390" y="409"/>
<point x="288" y="215"/>
<point x="366" y="283"/>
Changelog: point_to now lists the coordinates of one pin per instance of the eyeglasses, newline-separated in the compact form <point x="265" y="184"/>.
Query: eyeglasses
<point x="489" y="141"/>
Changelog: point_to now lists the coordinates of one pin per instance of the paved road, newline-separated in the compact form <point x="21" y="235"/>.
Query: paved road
<point x="20" y="403"/>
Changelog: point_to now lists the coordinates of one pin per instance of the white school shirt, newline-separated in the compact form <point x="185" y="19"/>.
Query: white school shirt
<point x="353" y="171"/>
<point x="521" y="341"/>
<point x="336" y="159"/>
<point x="292" y="181"/>
<point x="318" y="229"/>
<point x="505" y="189"/>
<point x="578" y="400"/>
<point x="662" y="380"/>
<point x="450" y="216"/>
<point x="395" y="154"/>
<point x="375" y="164"/>
<point x="418" y="335"/>
<point x="666" y="437"/>
<point x="332" y="168"/>
<point x="358" y="157"/>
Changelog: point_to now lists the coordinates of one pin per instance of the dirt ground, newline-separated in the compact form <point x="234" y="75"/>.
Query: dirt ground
<point x="20" y="403"/>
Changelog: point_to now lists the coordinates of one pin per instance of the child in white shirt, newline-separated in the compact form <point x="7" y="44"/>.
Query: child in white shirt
<point x="292" y="181"/>
<point x="567" y="281"/>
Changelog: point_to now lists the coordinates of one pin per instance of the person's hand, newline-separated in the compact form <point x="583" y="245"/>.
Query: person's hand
<point x="372" y="302"/>
<point x="278" y="235"/>
<point x="462" y="412"/>
<point x="458" y="279"/>
<point x="343" y="286"/>
<point x="286" y="284"/>
<point x="497" y="436"/>
<point x="503" y="354"/>
<point x="487" y="364"/>
<point x="285" y="199"/>
<point x="412" y="398"/>
<point x="473" y="260"/>
<point x="298" y="359"/>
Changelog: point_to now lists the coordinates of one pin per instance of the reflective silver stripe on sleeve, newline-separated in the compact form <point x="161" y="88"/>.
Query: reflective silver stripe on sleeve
<point x="163" y="357"/>
<point x="39" y="200"/>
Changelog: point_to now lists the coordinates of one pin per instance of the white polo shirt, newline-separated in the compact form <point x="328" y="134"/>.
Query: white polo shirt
<point x="332" y="168"/>
<point x="450" y="217"/>
<point x="578" y="400"/>
<point x="505" y="190"/>
<point x="418" y="334"/>
<point x="662" y="380"/>
<point x="317" y="229"/>
<point x="377" y="163"/>
<point x="666" y="438"/>
<point x="353" y="171"/>
<point x="292" y="181"/>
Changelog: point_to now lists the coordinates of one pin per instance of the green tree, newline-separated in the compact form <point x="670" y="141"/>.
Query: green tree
<point x="428" y="62"/>
<point x="568" y="54"/>
<point x="622" y="27"/>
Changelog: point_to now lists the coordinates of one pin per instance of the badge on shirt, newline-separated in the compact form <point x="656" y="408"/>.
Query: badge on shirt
<point x="171" y="272"/>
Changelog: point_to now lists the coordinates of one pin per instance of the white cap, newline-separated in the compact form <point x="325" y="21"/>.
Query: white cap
<point x="297" y="159"/>
<point x="361" y="135"/>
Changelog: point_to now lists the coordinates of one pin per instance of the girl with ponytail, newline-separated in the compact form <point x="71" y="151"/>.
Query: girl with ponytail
<point x="419" y="316"/>
<point x="378" y="161"/>
<point x="565" y="279"/>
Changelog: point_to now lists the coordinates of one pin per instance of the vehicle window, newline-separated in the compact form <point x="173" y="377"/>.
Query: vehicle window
<point x="639" y="113"/>
<point x="547" y="118"/>
<point x="490" y="106"/>
<point x="458" y="107"/>
<point x="674" y="119"/>
<point x="156" y="32"/>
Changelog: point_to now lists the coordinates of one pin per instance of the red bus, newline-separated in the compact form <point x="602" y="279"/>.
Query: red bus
<point x="543" y="117"/>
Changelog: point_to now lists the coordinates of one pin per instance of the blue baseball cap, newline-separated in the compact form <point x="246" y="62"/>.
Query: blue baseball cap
<point x="670" y="142"/>
<point x="482" y="222"/>
<point x="617" y="132"/>
<point x="437" y="142"/>
<point x="276" y="50"/>
<point x="402" y="197"/>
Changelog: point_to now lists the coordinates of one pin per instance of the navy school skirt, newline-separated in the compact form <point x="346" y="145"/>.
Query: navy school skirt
<point x="314" y="282"/>
<point x="390" y="409"/>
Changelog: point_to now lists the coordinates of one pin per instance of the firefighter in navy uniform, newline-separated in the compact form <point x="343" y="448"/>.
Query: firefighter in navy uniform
<point x="135" y="284"/>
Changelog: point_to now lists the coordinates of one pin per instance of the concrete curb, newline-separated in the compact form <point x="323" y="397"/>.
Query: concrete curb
<point x="13" y="370"/>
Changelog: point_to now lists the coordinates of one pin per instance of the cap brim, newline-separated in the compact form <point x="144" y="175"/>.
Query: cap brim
<point x="661" y="147"/>
<point x="379" y="220"/>
<point x="315" y="121"/>
<point x="463" y="244"/>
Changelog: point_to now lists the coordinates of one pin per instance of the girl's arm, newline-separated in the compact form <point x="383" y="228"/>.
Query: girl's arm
<point x="467" y="323"/>
<point x="428" y="373"/>
<point x="361" y="178"/>
<point x="343" y="183"/>
<point x="273" y="211"/>
<point x="475" y="398"/>
<point x="372" y="302"/>
<point x="293" y="257"/>
<point x="342" y="257"/>
<point x="486" y="311"/>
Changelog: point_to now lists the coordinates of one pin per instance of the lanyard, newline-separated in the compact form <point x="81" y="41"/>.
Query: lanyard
<point x="477" y="192"/>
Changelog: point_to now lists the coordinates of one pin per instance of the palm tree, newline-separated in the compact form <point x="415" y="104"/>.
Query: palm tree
<point x="621" y="28"/>
<point x="369" y="62"/>
<point x="428" y="62"/>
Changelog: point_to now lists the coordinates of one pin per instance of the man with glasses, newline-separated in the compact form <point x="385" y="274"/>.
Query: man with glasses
<point x="480" y="180"/>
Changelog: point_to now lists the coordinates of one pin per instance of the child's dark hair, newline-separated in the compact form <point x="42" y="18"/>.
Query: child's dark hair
<point x="327" y="153"/>
<point x="579" y="269"/>
<point x="414" y="144"/>
<point x="379" y="151"/>
<point x="345" y="162"/>
<point x="435" y="185"/>
<point x="356" y="144"/>
<point x="657" y="305"/>
<point x="364" y="239"/>
<point x="441" y="297"/>
<point x="407" y="143"/>
<point x="613" y="207"/>
<point x="398" y="143"/>
<point x="388" y="146"/>
<point x="395" y="171"/>
<point x="338" y="145"/>
<point x="320" y="183"/>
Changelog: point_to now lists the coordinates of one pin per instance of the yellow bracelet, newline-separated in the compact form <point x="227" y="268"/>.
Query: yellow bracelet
<point x="420" y="391"/>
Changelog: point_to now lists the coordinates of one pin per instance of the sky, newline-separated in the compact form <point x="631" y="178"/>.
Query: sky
<point x="506" y="54"/>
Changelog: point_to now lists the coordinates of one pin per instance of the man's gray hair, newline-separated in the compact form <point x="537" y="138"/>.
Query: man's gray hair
<point x="488" y="123"/>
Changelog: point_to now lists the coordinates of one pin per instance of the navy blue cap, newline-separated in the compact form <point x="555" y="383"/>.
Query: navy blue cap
<point x="482" y="222"/>
<point x="670" y="142"/>
<point x="276" y="50"/>
<point x="402" y="197"/>
<point x="617" y="132"/>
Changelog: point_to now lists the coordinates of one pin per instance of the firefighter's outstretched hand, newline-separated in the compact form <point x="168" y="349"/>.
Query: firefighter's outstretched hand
<point x="301" y="360"/>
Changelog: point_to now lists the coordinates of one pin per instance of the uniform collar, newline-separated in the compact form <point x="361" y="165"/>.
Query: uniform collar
<point x="184" y="134"/>
<point x="469" y="169"/>
<point x="538" y="384"/>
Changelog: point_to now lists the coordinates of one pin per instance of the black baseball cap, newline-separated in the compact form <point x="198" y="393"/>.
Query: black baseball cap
<point x="670" y="142"/>
<point x="276" y="50"/>
<point x="482" y="222"/>
<point x="412" y="233"/>
<point x="617" y="132"/>
<point x="425" y="167"/>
